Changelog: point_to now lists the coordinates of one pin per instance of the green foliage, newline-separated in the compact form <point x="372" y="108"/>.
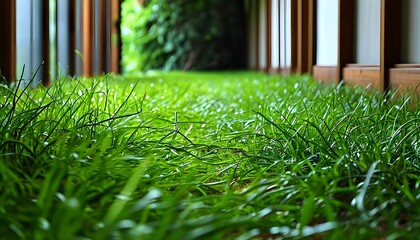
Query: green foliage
<point x="182" y="34"/>
<point x="207" y="156"/>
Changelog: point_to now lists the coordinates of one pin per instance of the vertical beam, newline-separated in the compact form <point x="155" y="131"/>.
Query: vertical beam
<point x="390" y="39"/>
<point x="116" y="36"/>
<point x="345" y="36"/>
<point x="72" y="36"/>
<point x="102" y="40"/>
<point x="294" y="35"/>
<point x="303" y="38"/>
<point x="8" y="40"/>
<point x="268" y="35"/>
<point x="46" y="78"/>
<point x="87" y="32"/>
<point x="311" y="60"/>
<point x="306" y="18"/>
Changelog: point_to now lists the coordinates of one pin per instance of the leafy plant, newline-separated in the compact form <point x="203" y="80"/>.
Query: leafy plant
<point x="182" y="34"/>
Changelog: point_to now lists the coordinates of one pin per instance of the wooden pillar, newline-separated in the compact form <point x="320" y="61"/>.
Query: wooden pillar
<point x="46" y="78"/>
<point x="102" y="36"/>
<point x="294" y="35"/>
<point x="72" y="37"/>
<point x="390" y="39"/>
<point x="305" y="35"/>
<point x="345" y="36"/>
<point x="116" y="36"/>
<point x="87" y="32"/>
<point x="8" y="40"/>
<point x="311" y="35"/>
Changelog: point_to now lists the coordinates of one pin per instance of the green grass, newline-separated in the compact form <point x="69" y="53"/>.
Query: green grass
<point x="207" y="156"/>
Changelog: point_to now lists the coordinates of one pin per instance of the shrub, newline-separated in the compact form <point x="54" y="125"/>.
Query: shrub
<point x="182" y="34"/>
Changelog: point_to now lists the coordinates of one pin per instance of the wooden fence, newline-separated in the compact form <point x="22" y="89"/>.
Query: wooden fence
<point x="372" y="43"/>
<point x="76" y="37"/>
<point x="375" y="42"/>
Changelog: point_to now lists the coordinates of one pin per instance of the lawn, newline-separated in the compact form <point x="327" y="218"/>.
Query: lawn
<point x="207" y="156"/>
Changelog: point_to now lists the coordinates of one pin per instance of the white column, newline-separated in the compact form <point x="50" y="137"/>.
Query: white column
<point x="368" y="31"/>
<point x="285" y="33"/>
<point x="327" y="32"/>
<point x="63" y="36"/>
<point x="275" y="34"/>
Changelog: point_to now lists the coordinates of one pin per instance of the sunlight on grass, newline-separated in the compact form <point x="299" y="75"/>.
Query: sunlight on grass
<point x="207" y="156"/>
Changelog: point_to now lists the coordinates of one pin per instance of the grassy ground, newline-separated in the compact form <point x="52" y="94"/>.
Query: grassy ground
<point x="207" y="156"/>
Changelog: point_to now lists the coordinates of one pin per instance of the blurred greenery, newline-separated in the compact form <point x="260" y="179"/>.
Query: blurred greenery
<point x="183" y="35"/>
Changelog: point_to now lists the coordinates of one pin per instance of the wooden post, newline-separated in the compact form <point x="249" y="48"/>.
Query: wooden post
<point x="72" y="37"/>
<point x="102" y="34"/>
<point x="345" y="36"/>
<point x="46" y="77"/>
<point x="8" y="40"/>
<point x="87" y="32"/>
<point x="390" y="39"/>
<point x="294" y="35"/>
<point x="116" y="36"/>
<point x="311" y="35"/>
<point x="305" y="35"/>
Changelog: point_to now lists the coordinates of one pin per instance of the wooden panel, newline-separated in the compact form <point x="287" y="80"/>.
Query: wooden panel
<point x="345" y="36"/>
<point x="8" y="40"/>
<point x="362" y="76"/>
<point x="390" y="39"/>
<point x="325" y="74"/>
<point x="405" y="79"/>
